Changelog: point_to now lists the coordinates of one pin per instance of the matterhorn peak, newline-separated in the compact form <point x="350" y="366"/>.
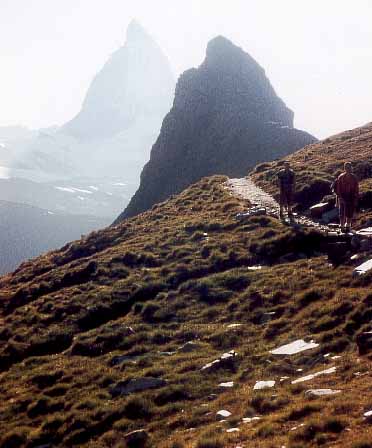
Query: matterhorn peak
<point x="135" y="31"/>
<point x="135" y="82"/>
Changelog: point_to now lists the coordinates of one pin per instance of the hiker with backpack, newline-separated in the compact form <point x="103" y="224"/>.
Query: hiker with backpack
<point x="346" y="188"/>
<point x="286" y="180"/>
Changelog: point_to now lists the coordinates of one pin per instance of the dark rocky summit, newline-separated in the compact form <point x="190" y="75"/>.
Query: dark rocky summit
<point x="225" y="119"/>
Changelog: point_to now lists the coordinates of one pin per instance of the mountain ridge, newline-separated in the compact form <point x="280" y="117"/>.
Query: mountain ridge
<point x="225" y="118"/>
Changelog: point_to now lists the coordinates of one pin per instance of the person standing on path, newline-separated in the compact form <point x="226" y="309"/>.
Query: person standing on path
<point x="286" y="181"/>
<point x="347" y="191"/>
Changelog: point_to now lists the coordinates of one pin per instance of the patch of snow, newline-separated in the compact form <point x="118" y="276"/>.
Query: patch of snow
<point x="2" y="145"/>
<point x="314" y="375"/>
<point x="79" y="190"/>
<point x="263" y="385"/>
<point x="81" y="198"/>
<point x="234" y="325"/>
<point x="233" y="430"/>
<point x="119" y="184"/>
<point x="294" y="347"/>
<point x="367" y="414"/>
<point x="92" y="187"/>
<point x="67" y="190"/>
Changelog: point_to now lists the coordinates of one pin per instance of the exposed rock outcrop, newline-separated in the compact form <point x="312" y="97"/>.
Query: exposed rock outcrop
<point x="226" y="118"/>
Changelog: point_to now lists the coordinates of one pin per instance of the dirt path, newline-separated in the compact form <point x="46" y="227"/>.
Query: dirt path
<point x="247" y="189"/>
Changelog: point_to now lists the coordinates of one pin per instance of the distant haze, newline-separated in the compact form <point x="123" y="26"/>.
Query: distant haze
<point x="318" y="54"/>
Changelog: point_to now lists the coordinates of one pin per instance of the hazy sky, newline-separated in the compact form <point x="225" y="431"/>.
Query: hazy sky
<point x="317" y="53"/>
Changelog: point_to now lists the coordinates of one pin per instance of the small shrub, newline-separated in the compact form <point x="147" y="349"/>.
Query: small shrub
<point x="171" y="394"/>
<point x="297" y="414"/>
<point x="266" y="431"/>
<point x="210" y="443"/>
<point x="14" y="439"/>
<point x="334" y="425"/>
<point x="149" y="311"/>
<point x="309" y="297"/>
<point x="138" y="408"/>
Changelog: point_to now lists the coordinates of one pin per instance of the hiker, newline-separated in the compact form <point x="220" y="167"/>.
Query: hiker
<point x="347" y="190"/>
<point x="286" y="180"/>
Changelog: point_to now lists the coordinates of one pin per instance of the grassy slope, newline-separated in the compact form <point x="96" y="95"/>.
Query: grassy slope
<point x="178" y="273"/>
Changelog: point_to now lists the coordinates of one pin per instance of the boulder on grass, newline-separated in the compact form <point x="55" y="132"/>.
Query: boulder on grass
<point x="137" y="439"/>
<point x="136" y="385"/>
<point x="364" y="342"/>
<point x="318" y="210"/>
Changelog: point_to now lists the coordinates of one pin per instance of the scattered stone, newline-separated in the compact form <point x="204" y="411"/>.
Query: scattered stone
<point x="363" y="268"/>
<point x="137" y="385"/>
<point x="317" y="210"/>
<point x="356" y="257"/>
<point x="361" y="373"/>
<point x="116" y="360"/>
<point x="294" y="347"/>
<point x="364" y="342"/>
<point x="233" y="430"/>
<point x="223" y="414"/>
<point x="296" y="427"/>
<point x="314" y="375"/>
<point x="254" y="268"/>
<point x="188" y="347"/>
<point x="253" y="211"/>
<point x="137" y="439"/>
<point x="250" y="419"/>
<point x="226" y="361"/>
<point x="263" y="385"/>
<point x="227" y="385"/>
<point x="367" y="231"/>
<point x="321" y="392"/>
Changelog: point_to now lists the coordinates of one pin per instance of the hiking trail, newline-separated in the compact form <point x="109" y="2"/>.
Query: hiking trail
<point x="247" y="189"/>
